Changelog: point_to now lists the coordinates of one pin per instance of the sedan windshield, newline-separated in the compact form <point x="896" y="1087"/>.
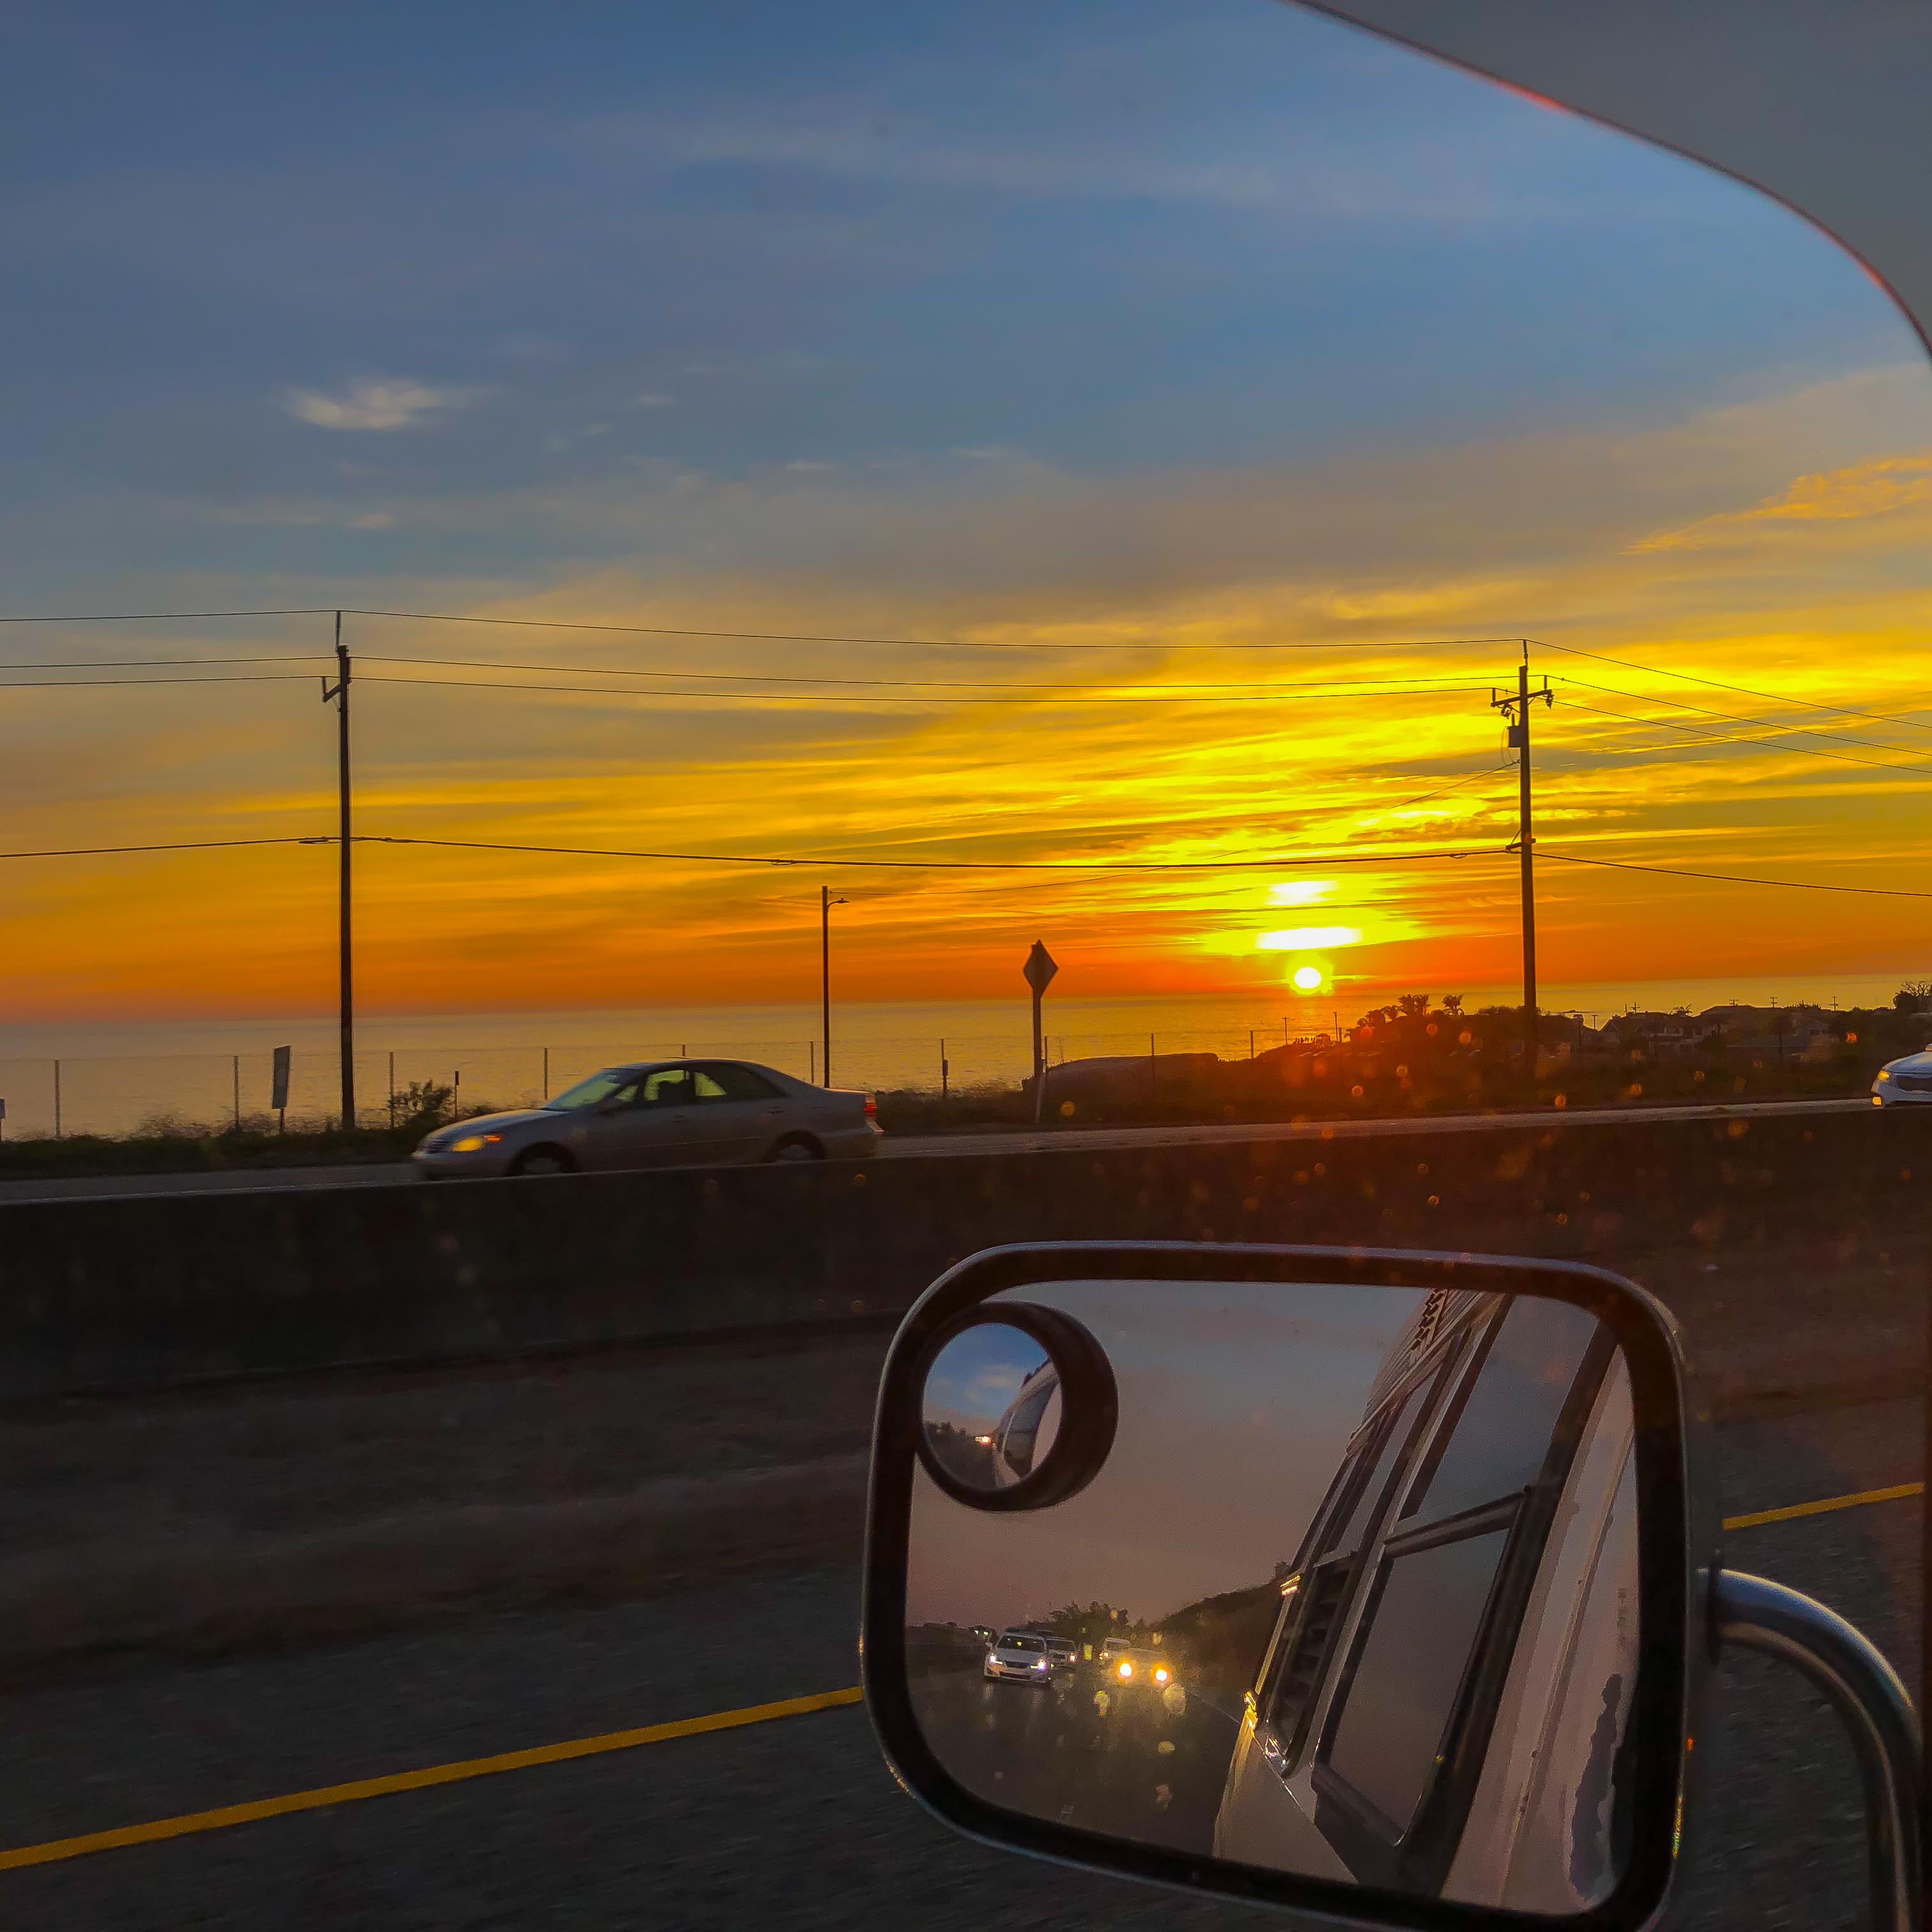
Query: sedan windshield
<point x="588" y="1092"/>
<point x="1027" y="1643"/>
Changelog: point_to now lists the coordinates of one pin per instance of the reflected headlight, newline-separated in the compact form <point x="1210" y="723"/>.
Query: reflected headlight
<point x="471" y="1143"/>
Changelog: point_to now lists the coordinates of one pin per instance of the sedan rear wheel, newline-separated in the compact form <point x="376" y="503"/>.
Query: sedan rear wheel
<point x="796" y="1148"/>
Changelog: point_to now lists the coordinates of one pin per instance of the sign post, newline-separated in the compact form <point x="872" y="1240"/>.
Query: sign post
<point x="279" y="1099"/>
<point x="1040" y="968"/>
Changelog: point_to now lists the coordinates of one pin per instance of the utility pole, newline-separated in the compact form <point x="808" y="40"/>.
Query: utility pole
<point x="339" y="697"/>
<point x="826" y="903"/>
<point x="1515" y="707"/>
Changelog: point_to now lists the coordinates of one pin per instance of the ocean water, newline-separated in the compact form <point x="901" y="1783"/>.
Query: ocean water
<point x="114" y="1077"/>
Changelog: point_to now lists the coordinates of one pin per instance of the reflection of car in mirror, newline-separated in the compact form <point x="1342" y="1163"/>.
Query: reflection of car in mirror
<point x="1132" y="1668"/>
<point x="1021" y="1655"/>
<point x="1441" y="1705"/>
<point x="1027" y="1430"/>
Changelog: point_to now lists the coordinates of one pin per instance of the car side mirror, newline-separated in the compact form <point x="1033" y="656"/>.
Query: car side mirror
<point x="1391" y="1589"/>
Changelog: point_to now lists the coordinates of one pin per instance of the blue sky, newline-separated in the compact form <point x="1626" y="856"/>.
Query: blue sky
<point x="1175" y="331"/>
<point x="335" y="296"/>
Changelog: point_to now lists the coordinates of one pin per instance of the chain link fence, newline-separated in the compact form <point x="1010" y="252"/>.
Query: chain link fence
<point x="125" y="1095"/>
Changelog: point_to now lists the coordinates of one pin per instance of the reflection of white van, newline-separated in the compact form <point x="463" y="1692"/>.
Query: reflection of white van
<point x="1441" y="1706"/>
<point x="1025" y="1432"/>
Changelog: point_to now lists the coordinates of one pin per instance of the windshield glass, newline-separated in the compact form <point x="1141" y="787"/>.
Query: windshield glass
<point x="1158" y="620"/>
<point x="588" y="1093"/>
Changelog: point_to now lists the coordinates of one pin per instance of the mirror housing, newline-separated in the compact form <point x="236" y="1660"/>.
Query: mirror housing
<point x="912" y="1524"/>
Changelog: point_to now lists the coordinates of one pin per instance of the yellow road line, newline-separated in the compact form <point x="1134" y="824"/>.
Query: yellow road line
<point x="226" y="1815"/>
<point x="325" y="1795"/>
<point x="1897" y="1493"/>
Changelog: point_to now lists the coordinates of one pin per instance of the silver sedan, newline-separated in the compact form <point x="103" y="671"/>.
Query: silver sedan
<point x="681" y="1113"/>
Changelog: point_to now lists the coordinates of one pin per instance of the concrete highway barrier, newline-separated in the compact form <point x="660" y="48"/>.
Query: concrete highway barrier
<point x="157" y="1288"/>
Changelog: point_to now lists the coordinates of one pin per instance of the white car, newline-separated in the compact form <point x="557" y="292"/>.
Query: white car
<point x="1020" y="1654"/>
<point x="669" y="1113"/>
<point x="1904" y="1083"/>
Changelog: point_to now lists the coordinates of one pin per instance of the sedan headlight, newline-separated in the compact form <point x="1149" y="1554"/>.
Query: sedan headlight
<point x="1160" y="1676"/>
<point x="471" y="1143"/>
<point x="1127" y="1670"/>
<point x="1885" y="1073"/>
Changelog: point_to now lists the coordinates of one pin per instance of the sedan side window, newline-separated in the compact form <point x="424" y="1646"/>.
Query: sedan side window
<point x="669" y="1087"/>
<point x="724" y="1081"/>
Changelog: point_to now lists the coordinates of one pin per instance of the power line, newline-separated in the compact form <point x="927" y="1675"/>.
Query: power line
<point x="1417" y="686"/>
<point x="1281" y="862"/>
<point x="751" y="637"/>
<point x="1718" y="684"/>
<point x="1288" y="861"/>
<point x="172" y="845"/>
<point x="103" y="683"/>
<point x="1774" y="724"/>
<point x="1807" y="751"/>
<point x="921" y="643"/>
<point x="126" y="663"/>
<point x="1543" y="851"/>
<point x="1023" y="695"/>
<point x="165" y="617"/>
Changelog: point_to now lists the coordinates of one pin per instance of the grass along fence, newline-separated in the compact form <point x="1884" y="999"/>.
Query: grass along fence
<point x="121" y="1096"/>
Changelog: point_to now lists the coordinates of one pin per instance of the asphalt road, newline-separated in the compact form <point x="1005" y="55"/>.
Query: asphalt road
<point x="381" y="1174"/>
<point x="796" y="1824"/>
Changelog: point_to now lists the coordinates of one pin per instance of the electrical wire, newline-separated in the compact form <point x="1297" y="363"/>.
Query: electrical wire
<point x="1290" y="861"/>
<point x="165" y="617"/>
<point x="126" y="664"/>
<point x="920" y="644"/>
<point x="1807" y="751"/>
<point x="1420" y="687"/>
<point x="1774" y="724"/>
<point x="101" y="683"/>
<point x="754" y="637"/>
<point x="1281" y="862"/>
<point x="172" y="845"/>
<point x="1718" y="684"/>
<point x="1542" y="851"/>
<point x="1023" y="695"/>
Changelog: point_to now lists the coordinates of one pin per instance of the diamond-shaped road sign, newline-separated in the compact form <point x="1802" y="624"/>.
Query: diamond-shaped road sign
<point x="1040" y="968"/>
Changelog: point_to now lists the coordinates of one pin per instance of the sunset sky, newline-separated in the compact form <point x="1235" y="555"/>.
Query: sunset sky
<point x="1164" y="331"/>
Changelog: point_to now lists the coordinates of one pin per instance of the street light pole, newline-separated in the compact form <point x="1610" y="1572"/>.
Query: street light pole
<point x="826" y="903"/>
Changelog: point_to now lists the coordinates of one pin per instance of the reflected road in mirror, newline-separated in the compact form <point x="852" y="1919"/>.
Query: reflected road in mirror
<point x="1355" y="1596"/>
<point x="1144" y="1763"/>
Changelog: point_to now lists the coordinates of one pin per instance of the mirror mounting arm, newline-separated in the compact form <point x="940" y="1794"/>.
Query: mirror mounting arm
<point x="1872" y="1703"/>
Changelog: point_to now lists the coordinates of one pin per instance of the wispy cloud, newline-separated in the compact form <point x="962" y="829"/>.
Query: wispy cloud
<point x="373" y="402"/>
<point x="1860" y="490"/>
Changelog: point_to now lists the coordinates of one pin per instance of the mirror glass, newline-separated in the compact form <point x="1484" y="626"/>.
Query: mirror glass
<point x="1355" y="1595"/>
<point x="991" y="1405"/>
